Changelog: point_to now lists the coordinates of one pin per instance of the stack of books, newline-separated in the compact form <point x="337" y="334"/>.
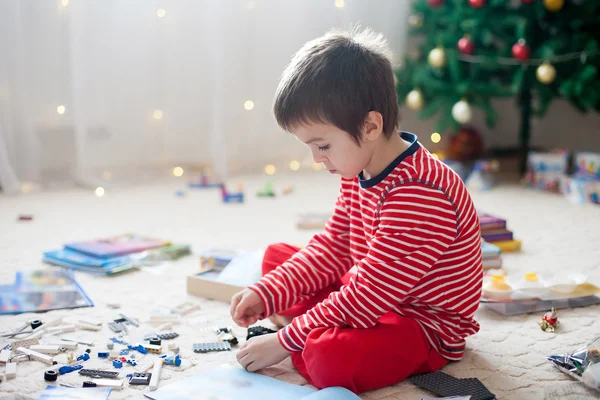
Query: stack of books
<point x="492" y="255"/>
<point x="108" y="256"/>
<point x="494" y="230"/>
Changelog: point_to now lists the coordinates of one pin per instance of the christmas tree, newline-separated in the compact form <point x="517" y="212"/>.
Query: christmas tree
<point x="475" y="50"/>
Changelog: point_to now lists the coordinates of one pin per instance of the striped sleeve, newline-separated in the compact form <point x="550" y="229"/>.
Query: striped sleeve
<point x="412" y="237"/>
<point x="322" y="262"/>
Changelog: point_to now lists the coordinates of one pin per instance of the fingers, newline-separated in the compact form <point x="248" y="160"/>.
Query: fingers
<point x="235" y="300"/>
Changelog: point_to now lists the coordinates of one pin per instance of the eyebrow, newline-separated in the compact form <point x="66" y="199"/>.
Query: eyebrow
<point x="313" y="140"/>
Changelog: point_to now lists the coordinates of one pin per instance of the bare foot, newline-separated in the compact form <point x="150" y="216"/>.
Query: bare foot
<point x="280" y="321"/>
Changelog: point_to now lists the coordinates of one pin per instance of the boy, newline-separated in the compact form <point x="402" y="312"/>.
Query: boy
<point x="403" y="222"/>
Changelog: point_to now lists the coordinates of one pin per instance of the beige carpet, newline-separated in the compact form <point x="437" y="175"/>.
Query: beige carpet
<point x="507" y="355"/>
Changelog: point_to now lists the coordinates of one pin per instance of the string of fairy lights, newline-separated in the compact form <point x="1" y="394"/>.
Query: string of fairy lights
<point x="158" y="114"/>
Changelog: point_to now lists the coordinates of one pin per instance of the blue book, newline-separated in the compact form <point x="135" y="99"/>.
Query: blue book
<point x="102" y="266"/>
<point x="489" y="250"/>
<point x="234" y="383"/>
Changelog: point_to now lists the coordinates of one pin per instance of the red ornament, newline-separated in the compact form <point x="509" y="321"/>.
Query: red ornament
<point x="527" y="1"/>
<point x="466" y="45"/>
<point x="477" y="3"/>
<point x="521" y="51"/>
<point x="435" y="3"/>
<point x="465" y="145"/>
<point x="549" y="321"/>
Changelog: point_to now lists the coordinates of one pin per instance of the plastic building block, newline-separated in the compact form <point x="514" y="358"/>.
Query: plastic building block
<point x="186" y="308"/>
<point x="99" y="373"/>
<point x="155" y="374"/>
<point x="123" y="359"/>
<point x="223" y="330"/>
<point x="83" y="357"/>
<point x="50" y="376"/>
<point x="132" y="362"/>
<point x="5" y="356"/>
<point x="139" y="348"/>
<point x="139" y="378"/>
<point x="117" y="327"/>
<point x="258" y="331"/>
<point x="103" y="354"/>
<point x="24" y="343"/>
<point x="115" y="340"/>
<point x="124" y="352"/>
<point x="117" y="364"/>
<point x="129" y="320"/>
<point x="111" y="383"/>
<point x="211" y="346"/>
<point x="45" y="349"/>
<point x="204" y="183"/>
<point x="155" y="341"/>
<point x="151" y="348"/>
<point x="443" y="384"/>
<point x="10" y="370"/>
<point x="64" y="344"/>
<point x="69" y="368"/>
<point x="228" y="337"/>
<point x="37" y="356"/>
<point x="163" y="336"/>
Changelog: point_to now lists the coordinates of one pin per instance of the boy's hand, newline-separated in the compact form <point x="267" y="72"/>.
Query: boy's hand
<point x="246" y="308"/>
<point x="261" y="352"/>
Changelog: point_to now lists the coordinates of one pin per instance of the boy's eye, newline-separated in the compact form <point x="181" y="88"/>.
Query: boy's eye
<point x="323" y="148"/>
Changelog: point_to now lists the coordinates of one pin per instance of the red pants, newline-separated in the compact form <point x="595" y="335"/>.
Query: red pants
<point x="357" y="359"/>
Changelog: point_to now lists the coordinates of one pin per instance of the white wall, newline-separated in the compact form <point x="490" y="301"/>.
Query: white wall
<point x="111" y="63"/>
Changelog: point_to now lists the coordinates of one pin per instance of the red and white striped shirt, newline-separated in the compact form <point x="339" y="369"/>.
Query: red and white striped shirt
<point x="413" y="235"/>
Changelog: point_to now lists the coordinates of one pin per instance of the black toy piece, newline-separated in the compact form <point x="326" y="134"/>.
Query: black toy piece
<point x="155" y="341"/>
<point x="36" y="323"/>
<point x="139" y="378"/>
<point x="50" y="376"/>
<point x="88" y="384"/>
<point x="258" y="331"/>
<point x="445" y="385"/>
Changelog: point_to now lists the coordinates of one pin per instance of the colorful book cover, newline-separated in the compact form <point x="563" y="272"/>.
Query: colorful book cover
<point x="489" y="250"/>
<point x="491" y="263"/>
<point x="101" y="266"/>
<point x="116" y="245"/>
<point x="509" y="245"/>
<point x="216" y="259"/>
<point x="488" y="222"/>
<point x="35" y="291"/>
<point x="497" y="235"/>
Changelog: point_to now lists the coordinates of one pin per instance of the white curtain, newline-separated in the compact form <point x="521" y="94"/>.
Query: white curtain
<point x="88" y="86"/>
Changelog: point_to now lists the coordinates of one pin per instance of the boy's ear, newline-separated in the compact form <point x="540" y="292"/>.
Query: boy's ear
<point x="373" y="126"/>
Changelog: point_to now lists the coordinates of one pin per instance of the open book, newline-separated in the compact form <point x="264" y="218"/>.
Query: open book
<point x="232" y="383"/>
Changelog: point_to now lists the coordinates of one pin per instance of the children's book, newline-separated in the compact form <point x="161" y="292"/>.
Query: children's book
<point x="509" y="245"/>
<point x="116" y="246"/>
<point x="497" y="235"/>
<point x="36" y="291"/>
<point x="101" y="266"/>
<point x="490" y="263"/>
<point x="68" y="393"/>
<point x="488" y="223"/>
<point x="234" y="383"/>
<point x="216" y="259"/>
<point x="489" y="250"/>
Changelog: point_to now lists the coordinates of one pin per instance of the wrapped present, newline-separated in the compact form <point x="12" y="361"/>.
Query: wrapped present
<point x="580" y="189"/>
<point x="588" y="164"/>
<point x="545" y="170"/>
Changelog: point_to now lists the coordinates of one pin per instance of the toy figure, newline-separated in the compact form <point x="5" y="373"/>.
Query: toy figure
<point x="549" y="321"/>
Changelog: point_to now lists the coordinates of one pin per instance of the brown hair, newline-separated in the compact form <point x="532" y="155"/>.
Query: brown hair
<point x="338" y="79"/>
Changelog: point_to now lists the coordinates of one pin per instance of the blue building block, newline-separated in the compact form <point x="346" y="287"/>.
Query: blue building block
<point x="117" y="364"/>
<point x="115" y="340"/>
<point x="103" y="354"/>
<point x="139" y="348"/>
<point x="124" y="352"/>
<point x="132" y="362"/>
<point x="173" y="360"/>
<point x="69" y="368"/>
<point x="83" y="357"/>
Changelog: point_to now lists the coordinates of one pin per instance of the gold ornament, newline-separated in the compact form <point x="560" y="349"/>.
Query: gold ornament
<point x="437" y="57"/>
<point x="414" y="100"/>
<point x="416" y="21"/>
<point x="546" y="73"/>
<point x="554" y="5"/>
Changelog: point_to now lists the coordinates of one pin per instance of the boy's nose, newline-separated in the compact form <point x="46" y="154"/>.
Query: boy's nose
<point x="318" y="158"/>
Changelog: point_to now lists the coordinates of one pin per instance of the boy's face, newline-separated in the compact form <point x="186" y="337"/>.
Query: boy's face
<point x="334" y="148"/>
